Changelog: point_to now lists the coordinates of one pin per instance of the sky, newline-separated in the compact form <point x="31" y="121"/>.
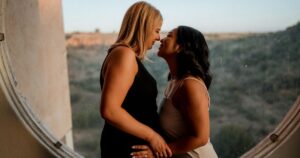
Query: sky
<point x="209" y="16"/>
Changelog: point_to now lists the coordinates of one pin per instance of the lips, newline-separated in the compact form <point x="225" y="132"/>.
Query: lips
<point x="160" y="47"/>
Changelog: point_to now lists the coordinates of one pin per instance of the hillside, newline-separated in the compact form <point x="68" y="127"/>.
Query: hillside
<point x="255" y="80"/>
<point x="87" y="39"/>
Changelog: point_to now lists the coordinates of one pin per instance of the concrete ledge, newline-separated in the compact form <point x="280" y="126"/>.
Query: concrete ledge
<point x="284" y="141"/>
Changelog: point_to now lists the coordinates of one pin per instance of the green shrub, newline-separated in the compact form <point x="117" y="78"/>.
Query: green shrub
<point x="232" y="141"/>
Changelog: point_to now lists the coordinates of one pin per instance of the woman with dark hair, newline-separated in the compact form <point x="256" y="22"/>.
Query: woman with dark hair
<point x="184" y="115"/>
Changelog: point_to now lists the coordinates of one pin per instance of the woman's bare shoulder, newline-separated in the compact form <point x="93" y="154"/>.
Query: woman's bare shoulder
<point x="193" y="84"/>
<point x="192" y="88"/>
<point x="122" y="58"/>
<point x="122" y="52"/>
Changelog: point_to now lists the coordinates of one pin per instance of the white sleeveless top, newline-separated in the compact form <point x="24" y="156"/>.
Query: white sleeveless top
<point x="172" y="122"/>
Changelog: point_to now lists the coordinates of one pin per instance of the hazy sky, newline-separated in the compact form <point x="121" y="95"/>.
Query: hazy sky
<point x="205" y="15"/>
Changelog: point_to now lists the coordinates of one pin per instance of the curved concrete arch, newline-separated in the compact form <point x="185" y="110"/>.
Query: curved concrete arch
<point x="35" y="112"/>
<point x="284" y="141"/>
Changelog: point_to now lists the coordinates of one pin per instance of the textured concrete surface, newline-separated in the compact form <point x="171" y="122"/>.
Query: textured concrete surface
<point x="35" y="110"/>
<point x="35" y="39"/>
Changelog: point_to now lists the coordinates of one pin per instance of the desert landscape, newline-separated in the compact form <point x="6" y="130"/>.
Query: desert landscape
<point x="256" y="80"/>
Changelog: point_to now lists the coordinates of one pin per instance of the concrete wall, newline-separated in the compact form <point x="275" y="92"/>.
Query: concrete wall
<point x="35" y="110"/>
<point x="15" y="140"/>
<point x="36" y="45"/>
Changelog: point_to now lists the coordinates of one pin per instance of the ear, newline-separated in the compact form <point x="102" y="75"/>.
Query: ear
<point x="177" y="48"/>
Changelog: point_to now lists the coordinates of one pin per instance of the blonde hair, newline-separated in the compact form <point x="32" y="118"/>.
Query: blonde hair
<point x="138" y="23"/>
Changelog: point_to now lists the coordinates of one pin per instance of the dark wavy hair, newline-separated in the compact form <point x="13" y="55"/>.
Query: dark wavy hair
<point x="193" y="56"/>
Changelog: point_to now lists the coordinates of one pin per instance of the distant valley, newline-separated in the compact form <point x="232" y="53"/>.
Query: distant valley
<point x="256" y="78"/>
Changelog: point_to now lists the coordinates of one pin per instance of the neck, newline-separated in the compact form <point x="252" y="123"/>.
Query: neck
<point x="173" y="67"/>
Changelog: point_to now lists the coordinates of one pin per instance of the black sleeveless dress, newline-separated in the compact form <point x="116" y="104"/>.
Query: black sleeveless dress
<point x="140" y="102"/>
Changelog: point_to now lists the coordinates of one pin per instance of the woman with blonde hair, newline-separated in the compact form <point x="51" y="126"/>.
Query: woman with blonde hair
<point x="128" y="99"/>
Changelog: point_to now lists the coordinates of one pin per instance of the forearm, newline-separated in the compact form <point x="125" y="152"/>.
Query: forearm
<point x="186" y="144"/>
<point x="122" y="120"/>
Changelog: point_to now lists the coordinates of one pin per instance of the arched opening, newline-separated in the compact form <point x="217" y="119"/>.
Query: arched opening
<point x="35" y="99"/>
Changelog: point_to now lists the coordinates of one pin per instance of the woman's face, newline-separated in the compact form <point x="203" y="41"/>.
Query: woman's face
<point x="168" y="46"/>
<point x="154" y="35"/>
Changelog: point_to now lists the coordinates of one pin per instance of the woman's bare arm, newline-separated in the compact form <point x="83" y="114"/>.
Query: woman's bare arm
<point x="119" y="75"/>
<point x="192" y="101"/>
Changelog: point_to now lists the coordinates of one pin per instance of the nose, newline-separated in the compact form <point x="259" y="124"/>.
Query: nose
<point x="158" y="38"/>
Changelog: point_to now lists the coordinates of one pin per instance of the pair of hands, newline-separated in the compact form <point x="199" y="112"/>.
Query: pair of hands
<point x="159" y="148"/>
<point x="144" y="151"/>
